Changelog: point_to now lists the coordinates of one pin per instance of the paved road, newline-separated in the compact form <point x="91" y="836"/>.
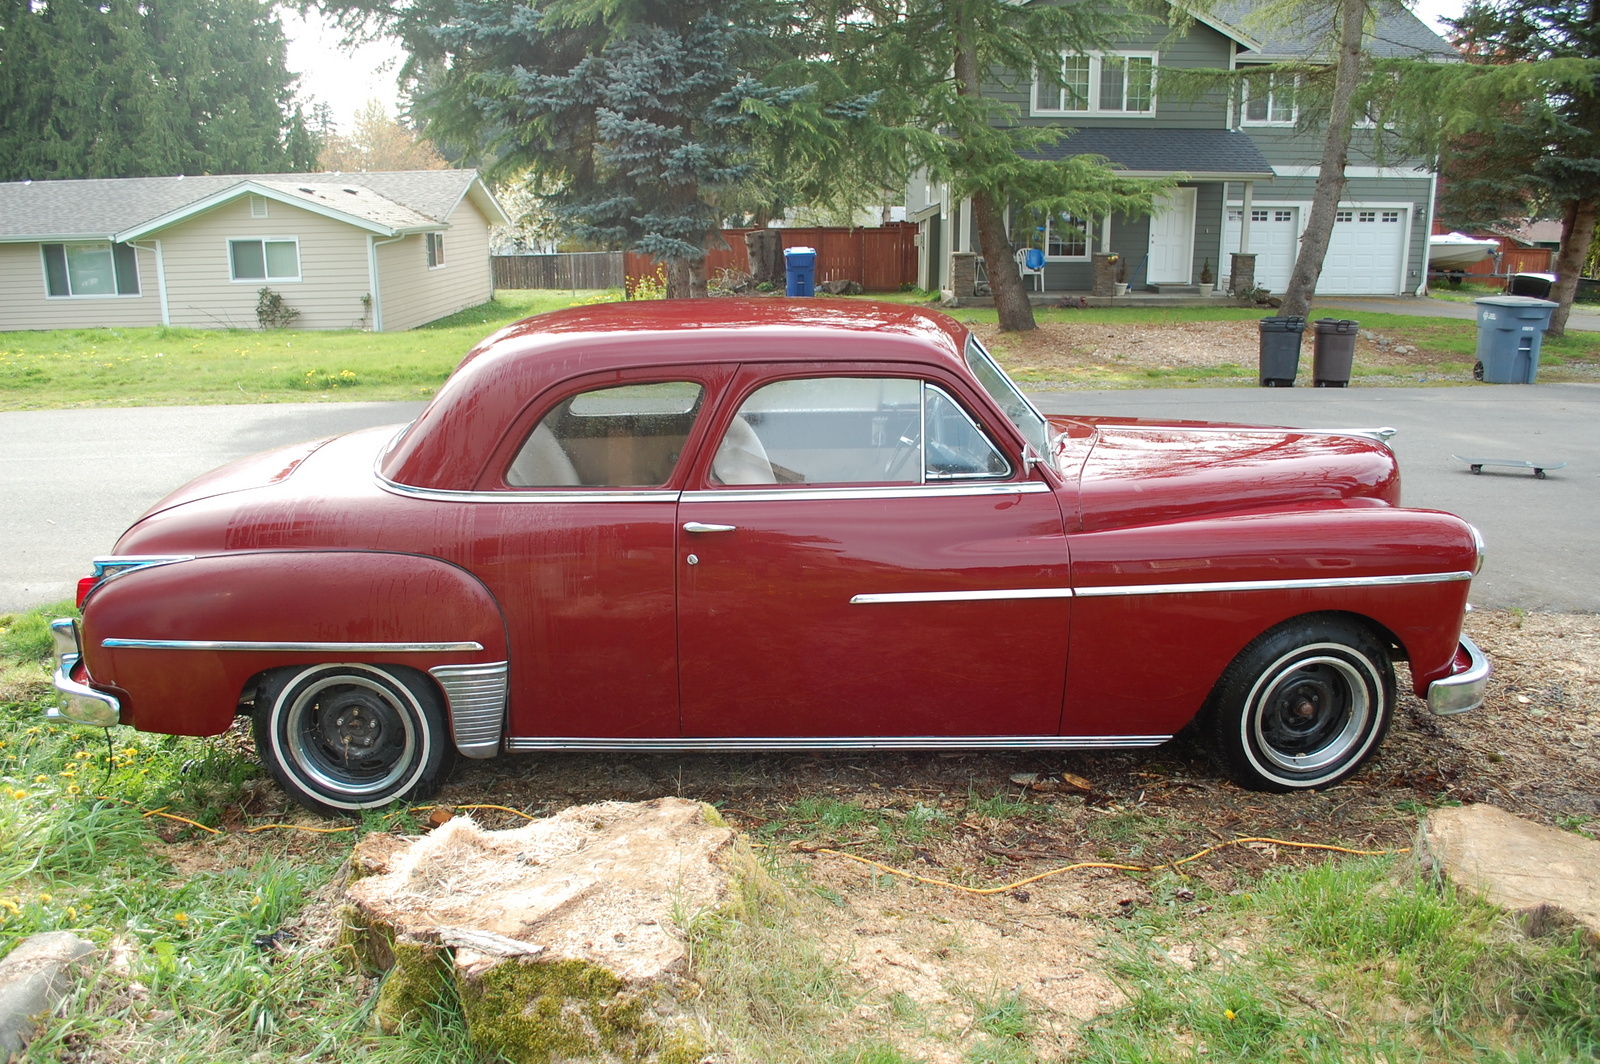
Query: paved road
<point x="1580" y="320"/>
<point x="73" y="479"/>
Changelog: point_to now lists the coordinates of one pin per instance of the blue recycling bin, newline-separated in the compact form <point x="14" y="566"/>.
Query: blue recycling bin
<point x="1510" y="330"/>
<point x="800" y="269"/>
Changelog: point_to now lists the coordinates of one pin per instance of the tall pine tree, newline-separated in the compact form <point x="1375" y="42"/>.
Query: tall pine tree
<point x="113" y="88"/>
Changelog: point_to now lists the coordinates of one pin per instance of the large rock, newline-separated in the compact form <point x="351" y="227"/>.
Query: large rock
<point x="33" y="978"/>
<point x="564" y="937"/>
<point x="1517" y="865"/>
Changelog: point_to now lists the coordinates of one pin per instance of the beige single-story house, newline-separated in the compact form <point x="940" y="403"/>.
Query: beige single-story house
<point x="383" y="251"/>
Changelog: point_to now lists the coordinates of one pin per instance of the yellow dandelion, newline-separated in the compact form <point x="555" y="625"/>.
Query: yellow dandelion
<point x="181" y="917"/>
<point x="41" y="779"/>
<point x="44" y="897"/>
<point x="1229" y="1014"/>
<point x="72" y="914"/>
<point x="73" y="788"/>
<point x="10" y="906"/>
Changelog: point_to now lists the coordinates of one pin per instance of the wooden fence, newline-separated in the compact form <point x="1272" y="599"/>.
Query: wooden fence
<point x="880" y="259"/>
<point x="570" y="270"/>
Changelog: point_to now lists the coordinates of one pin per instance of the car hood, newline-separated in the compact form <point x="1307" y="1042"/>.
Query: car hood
<point x="1140" y="471"/>
<point x="256" y="471"/>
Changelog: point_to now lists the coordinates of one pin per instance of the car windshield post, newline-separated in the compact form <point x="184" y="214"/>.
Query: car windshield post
<point x="1007" y="395"/>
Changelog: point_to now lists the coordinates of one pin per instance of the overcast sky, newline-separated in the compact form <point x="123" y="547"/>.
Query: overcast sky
<point x="347" y="80"/>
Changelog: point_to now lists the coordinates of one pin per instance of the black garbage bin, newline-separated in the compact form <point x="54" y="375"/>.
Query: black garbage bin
<point x="1534" y="285"/>
<point x="1280" y="351"/>
<point x="1333" y="352"/>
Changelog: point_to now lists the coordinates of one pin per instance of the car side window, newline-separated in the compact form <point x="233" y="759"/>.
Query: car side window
<point x="853" y="430"/>
<point x="625" y="436"/>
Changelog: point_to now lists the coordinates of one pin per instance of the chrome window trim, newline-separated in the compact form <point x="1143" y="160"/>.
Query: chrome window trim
<point x="273" y="645"/>
<point x="1044" y="423"/>
<point x="451" y="495"/>
<point x="910" y="742"/>
<point x="1271" y="585"/>
<point x="476" y="695"/>
<point x="962" y="596"/>
<point x="979" y="429"/>
<point x="903" y="491"/>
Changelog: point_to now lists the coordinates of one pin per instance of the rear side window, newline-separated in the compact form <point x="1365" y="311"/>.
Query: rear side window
<point x="627" y="436"/>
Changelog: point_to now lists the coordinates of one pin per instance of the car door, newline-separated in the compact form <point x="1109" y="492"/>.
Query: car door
<point x="863" y="558"/>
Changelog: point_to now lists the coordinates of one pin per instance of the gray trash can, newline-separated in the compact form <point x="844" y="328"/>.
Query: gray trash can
<point x="800" y="271"/>
<point x="1333" y="352"/>
<point x="1510" y="330"/>
<point x="1537" y="285"/>
<point x="1280" y="351"/>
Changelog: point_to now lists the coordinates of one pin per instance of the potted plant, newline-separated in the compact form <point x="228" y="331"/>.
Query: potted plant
<point x="1120" y="286"/>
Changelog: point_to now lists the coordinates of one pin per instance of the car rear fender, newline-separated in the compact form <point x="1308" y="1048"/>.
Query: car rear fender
<point x="179" y="643"/>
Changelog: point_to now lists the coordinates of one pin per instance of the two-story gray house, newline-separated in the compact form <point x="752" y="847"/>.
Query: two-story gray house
<point x="1246" y="164"/>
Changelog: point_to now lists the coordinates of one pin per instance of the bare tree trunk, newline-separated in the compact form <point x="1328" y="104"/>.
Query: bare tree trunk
<point x="1335" y="153"/>
<point x="1005" y="282"/>
<point x="678" y="279"/>
<point x="697" y="278"/>
<point x="1577" y="231"/>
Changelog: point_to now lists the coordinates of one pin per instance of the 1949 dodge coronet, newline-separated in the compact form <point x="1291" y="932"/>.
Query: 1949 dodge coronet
<point x="770" y="525"/>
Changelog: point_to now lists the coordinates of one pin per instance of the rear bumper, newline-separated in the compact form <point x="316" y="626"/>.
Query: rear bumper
<point x="80" y="703"/>
<point x="1463" y="689"/>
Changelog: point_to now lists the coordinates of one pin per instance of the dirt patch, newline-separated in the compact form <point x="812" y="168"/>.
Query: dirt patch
<point x="1227" y="350"/>
<point x="1532" y="749"/>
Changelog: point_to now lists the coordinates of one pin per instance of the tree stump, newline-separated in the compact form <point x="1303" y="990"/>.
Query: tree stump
<point x="765" y="248"/>
<point x="563" y="938"/>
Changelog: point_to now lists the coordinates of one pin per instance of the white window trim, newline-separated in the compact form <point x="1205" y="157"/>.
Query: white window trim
<point x="427" y="239"/>
<point x="1269" y="121"/>
<point x="1088" y="242"/>
<point x="227" y="249"/>
<point x="1094" y="108"/>
<point x="44" y="271"/>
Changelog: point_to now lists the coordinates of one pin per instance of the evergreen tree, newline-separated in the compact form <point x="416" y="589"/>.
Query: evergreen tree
<point x="930" y="67"/>
<point x="115" y="88"/>
<point x="1535" y="150"/>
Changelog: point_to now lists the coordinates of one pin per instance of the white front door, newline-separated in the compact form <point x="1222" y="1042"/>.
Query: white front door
<point x="1172" y="238"/>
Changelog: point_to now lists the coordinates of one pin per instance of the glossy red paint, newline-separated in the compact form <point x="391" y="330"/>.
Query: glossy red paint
<point x="612" y="632"/>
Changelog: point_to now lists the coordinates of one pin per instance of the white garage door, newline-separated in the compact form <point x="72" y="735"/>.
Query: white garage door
<point x="1274" y="238"/>
<point x="1364" y="253"/>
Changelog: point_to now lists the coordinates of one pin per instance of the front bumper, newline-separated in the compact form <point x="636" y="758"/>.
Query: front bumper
<point x="80" y="703"/>
<point x="1465" y="689"/>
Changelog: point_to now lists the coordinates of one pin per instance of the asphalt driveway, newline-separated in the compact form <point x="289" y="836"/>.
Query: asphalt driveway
<point x="73" y="479"/>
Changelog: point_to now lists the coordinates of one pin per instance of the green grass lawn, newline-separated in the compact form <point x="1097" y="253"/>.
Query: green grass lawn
<point x="164" y="366"/>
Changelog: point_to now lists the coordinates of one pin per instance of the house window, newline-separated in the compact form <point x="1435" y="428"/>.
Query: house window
<point x="435" y="242"/>
<point x="1367" y="216"/>
<point x="1269" y="100"/>
<point x="1344" y="216"/>
<point x="1392" y="217"/>
<point x="1118" y="83"/>
<point x="265" y="260"/>
<point x="90" y="270"/>
<point x="1066" y="237"/>
<point x="1283" y="216"/>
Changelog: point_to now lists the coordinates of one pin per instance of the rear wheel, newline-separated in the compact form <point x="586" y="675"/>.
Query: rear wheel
<point x="1304" y="705"/>
<point x="343" y="738"/>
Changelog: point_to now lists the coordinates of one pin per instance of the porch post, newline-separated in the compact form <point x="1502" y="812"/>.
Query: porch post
<point x="1244" y="217"/>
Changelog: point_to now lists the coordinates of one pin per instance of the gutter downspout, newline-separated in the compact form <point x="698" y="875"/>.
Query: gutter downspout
<point x="373" y="243"/>
<point x="161" y="279"/>
<point x="1427" y="232"/>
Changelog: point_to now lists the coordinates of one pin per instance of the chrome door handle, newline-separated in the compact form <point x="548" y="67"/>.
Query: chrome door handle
<point x="700" y="526"/>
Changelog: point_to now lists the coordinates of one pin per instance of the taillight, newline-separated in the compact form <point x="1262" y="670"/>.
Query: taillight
<point x="86" y="585"/>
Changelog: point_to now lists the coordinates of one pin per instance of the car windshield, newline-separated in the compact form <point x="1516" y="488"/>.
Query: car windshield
<point x="1028" y="421"/>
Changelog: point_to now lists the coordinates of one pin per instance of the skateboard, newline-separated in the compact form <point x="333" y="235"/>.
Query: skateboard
<point x="1477" y="464"/>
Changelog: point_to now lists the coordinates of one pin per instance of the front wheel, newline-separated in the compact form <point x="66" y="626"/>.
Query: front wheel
<point x="1304" y="705"/>
<point x="343" y="738"/>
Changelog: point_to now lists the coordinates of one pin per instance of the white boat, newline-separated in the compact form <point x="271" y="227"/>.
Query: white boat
<point x="1453" y="251"/>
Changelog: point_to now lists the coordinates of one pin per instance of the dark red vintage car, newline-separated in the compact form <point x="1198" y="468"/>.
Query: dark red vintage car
<point x="768" y="525"/>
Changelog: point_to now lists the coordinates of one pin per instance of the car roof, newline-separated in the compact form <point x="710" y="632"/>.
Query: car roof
<point x="448" y="443"/>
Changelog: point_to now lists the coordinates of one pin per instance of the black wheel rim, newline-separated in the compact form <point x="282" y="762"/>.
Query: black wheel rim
<point x="1312" y="712"/>
<point x="351" y="735"/>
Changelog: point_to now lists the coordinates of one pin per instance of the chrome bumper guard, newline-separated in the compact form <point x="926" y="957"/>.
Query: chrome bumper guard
<point x="1464" y="690"/>
<point x="81" y="704"/>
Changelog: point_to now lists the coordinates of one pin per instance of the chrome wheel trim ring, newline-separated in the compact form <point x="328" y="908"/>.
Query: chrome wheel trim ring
<point x="293" y="731"/>
<point x="1364" y="692"/>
